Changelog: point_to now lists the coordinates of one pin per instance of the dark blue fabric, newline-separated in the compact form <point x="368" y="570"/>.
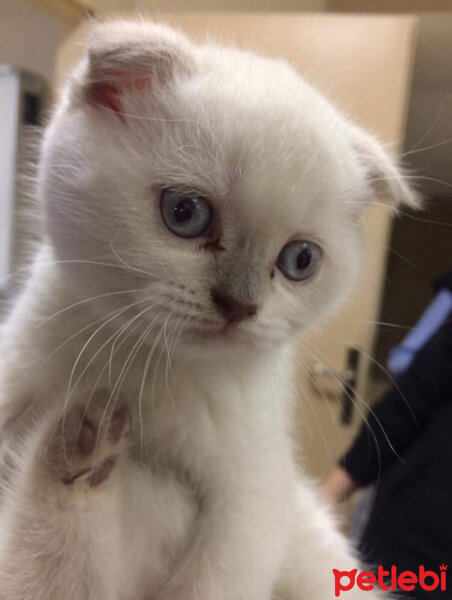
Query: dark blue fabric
<point x="408" y="456"/>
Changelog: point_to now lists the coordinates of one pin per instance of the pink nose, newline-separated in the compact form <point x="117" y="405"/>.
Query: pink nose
<point x="233" y="309"/>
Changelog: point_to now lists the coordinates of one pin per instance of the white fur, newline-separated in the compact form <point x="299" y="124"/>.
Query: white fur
<point x="208" y="503"/>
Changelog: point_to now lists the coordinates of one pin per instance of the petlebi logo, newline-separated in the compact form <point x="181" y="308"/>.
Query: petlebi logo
<point x="406" y="581"/>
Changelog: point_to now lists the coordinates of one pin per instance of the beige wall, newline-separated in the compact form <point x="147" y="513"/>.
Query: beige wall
<point x="390" y="6"/>
<point x="29" y="37"/>
<point x="208" y="5"/>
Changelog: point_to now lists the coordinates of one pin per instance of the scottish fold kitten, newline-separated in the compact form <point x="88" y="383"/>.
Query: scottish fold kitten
<point x="201" y="206"/>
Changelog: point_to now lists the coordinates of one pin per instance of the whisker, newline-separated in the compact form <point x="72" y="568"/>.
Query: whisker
<point x="364" y="418"/>
<point x="60" y="312"/>
<point x="388" y="375"/>
<point x="70" y="391"/>
<point x="69" y="339"/>
<point x="324" y="397"/>
<point x="316" y="420"/>
<point x="411" y="216"/>
<point x="430" y="129"/>
<point x="425" y="148"/>
<point x="122" y="329"/>
<point x="143" y="382"/>
<point x="96" y="333"/>
<point x="75" y="261"/>
<point x="115" y="392"/>
<point x="382" y="324"/>
<point x="181" y="330"/>
<point x="157" y="366"/>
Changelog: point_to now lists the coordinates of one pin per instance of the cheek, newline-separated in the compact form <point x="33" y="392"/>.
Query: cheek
<point x="182" y="264"/>
<point x="303" y="304"/>
<point x="336" y="279"/>
<point x="344" y="264"/>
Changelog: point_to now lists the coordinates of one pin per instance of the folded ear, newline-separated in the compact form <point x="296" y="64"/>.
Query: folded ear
<point x="126" y="56"/>
<point x="385" y="178"/>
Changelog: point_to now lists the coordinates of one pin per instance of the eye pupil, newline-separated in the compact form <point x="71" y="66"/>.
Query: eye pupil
<point x="183" y="210"/>
<point x="299" y="260"/>
<point x="304" y="259"/>
<point x="186" y="214"/>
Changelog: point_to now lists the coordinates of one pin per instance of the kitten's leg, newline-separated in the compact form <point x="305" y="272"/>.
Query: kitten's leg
<point x="316" y="549"/>
<point x="59" y="515"/>
<point x="236" y="550"/>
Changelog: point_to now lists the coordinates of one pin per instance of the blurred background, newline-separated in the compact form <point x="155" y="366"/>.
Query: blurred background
<point x="386" y="63"/>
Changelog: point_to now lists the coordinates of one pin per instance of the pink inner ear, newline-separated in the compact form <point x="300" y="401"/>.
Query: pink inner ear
<point x="107" y="91"/>
<point x="105" y="94"/>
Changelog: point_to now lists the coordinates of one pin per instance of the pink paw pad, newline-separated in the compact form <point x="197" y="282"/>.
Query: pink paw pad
<point x="98" y="448"/>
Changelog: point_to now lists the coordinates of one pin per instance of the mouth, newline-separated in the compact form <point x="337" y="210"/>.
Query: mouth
<point x="197" y="329"/>
<point x="191" y="330"/>
<point x="226" y="333"/>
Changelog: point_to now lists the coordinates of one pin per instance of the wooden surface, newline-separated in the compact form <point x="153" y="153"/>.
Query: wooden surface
<point x="68" y="10"/>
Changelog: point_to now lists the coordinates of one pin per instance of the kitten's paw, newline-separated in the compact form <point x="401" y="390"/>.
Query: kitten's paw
<point x="89" y="441"/>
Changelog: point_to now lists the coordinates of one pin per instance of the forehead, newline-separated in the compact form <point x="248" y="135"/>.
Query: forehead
<point x="252" y="135"/>
<point x="268" y="154"/>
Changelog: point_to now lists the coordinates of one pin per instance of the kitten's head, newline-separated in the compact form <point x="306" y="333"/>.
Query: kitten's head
<point x="217" y="186"/>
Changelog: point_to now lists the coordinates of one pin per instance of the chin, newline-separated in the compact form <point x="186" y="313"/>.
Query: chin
<point x="230" y="340"/>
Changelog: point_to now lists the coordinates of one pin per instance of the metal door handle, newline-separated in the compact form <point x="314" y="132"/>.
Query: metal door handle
<point x="348" y="379"/>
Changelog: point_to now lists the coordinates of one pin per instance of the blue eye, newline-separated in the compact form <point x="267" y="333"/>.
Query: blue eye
<point x="186" y="214"/>
<point x="299" y="260"/>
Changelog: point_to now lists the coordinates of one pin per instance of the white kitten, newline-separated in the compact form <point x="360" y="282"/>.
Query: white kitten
<point x="201" y="206"/>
